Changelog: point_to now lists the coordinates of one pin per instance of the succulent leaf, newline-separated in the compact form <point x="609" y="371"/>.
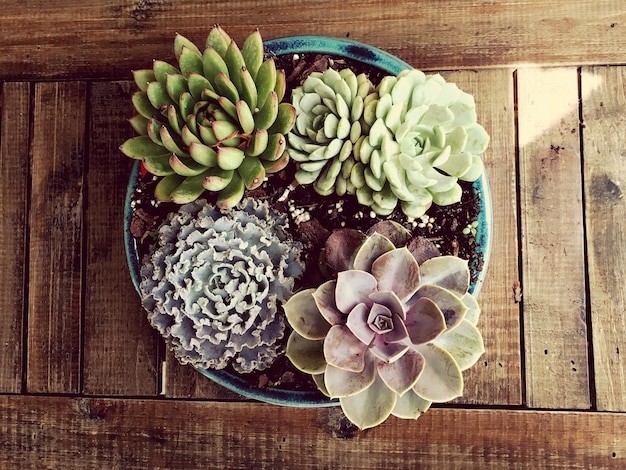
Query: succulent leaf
<point x="140" y="124"/>
<point x="142" y="104"/>
<point x="304" y="316"/>
<point x="441" y="380"/>
<point x="397" y="271"/>
<point x="371" y="406"/>
<point x="217" y="179"/>
<point x="276" y="165"/>
<point x="373" y="247"/>
<point x="162" y="70"/>
<point x="306" y="353"/>
<point x="464" y="343"/>
<point x="252" y="51"/>
<point x="353" y="287"/>
<point x="424" y="321"/>
<point x="265" y="81"/>
<point x="180" y="41"/>
<point x="343" y="383"/>
<point x="143" y="77"/>
<point x="164" y="188"/>
<point x="142" y="147"/>
<point x="190" y="61"/>
<point x="473" y="309"/>
<point x="218" y="39"/>
<point x="232" y="193"/>
<point x="252" y="171"/>
<point x="450" y="304"/>
<point x="448" y="272"/>
<point x="189" y="190"/>
<point x="344" y="350"/>
<point x="401" y="375"/>
<point x="410" y="406"/>
<point x="235" y="62"/>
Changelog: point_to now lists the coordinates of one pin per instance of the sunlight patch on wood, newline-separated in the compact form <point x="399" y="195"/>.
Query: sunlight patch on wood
<point x="554" y="97"/>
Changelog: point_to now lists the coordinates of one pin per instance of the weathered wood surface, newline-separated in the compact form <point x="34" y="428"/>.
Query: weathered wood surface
<point x="553" y="266"/>
<point x="56" y="237"/>
<point x="86" y="383"/>
<point x="107" y="38"/>
<point x="86" y="433"/>
<point x="604" y="101"/>
<point x="14" y="168"/>
<point x="115" y="328"/>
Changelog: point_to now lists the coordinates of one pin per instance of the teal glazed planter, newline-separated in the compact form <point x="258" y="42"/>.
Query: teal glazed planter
<point x="391" y="65"/>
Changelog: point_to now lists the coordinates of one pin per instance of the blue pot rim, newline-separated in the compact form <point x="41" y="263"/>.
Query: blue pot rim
<point x="391" y="65"/>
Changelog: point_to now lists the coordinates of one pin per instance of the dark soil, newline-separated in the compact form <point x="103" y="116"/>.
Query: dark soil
<point x="442" y="225"/>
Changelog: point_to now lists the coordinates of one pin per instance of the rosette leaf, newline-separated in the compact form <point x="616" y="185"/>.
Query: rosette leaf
<point x="213" y="284"/>
<point x="388" y="336"/>
<point x="217" y="109"/>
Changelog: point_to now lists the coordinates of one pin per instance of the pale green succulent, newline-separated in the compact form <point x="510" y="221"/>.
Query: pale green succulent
<point x="329" y="108"/>
<point x="423" y="138"/>
<point x="214" y="123"/>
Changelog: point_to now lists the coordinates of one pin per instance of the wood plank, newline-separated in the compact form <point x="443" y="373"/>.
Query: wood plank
<point x="553" y="265"/>
<point x="497" y="378"/>
<point x="120" y="347"/>
<point x="63" y="432"/>
<point x="14" y="165"/>
<point x="604" y="101"/>
<point x="55" y="267"/>
<point x="107" y="39"/>
<point x="183" y="381"/>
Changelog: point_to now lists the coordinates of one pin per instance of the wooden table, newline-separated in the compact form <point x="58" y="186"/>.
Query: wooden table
<point x="86" y="383"/>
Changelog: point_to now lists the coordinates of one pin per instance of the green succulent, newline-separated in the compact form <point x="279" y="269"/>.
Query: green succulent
<point x="423" y="138"/>
<point x="408" y="142"/>
<point x="216" y="122"/>
<point x="329" y="108"/>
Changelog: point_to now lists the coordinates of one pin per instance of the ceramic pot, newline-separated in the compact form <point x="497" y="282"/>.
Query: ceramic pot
<point x="390" y="65"/>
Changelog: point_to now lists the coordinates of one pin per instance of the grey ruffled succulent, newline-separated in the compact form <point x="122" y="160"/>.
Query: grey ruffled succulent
<point x="213" y="284"/>
<point x="329" y="110"/>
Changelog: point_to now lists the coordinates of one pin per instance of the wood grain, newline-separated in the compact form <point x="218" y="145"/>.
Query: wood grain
<point x="496" y="378"/>
<point x="183" y="381"/>
<point x="604" y="101"/>
<point x="120" y="347"/>
<point x="15" y="101"/>
<point x="108" y="38"/>
<point x="56" y="261"/>
<point x="63" y="432"/>
<point x="553" y="264"/>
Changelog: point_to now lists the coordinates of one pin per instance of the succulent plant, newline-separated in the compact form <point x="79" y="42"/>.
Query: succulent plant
<point x="423" y="138"/>
<point x="407" y="142"/>
<point x="389" y="335"/>
<point x="216" y="122"/>
<point x="329" y="108"/>
<point x="213" y="284"/>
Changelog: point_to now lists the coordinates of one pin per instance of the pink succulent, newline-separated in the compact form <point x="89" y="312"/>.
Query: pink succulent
<point x="381" y="337"/>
